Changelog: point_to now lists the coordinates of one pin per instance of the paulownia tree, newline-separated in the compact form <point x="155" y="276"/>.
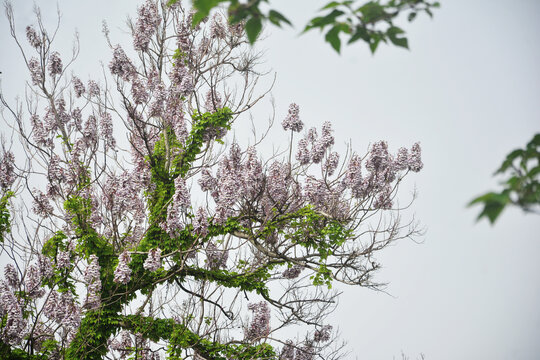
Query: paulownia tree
<point x="177" y="239"/>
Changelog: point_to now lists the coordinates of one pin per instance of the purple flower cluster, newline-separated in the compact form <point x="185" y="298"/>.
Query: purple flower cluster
<point x="292" y="121"/>
<point x="45" y="267"/>
<point x="382" y="170"/>
<point x="216" y="258"/>
<point x="153" y="261"/>
<point x="146" y="25"/>
<point x="123" y="344"/>
<point x="78" y="87"/>
<point x="292" y="272"/>
<point x="319" y="145"/>
<point x="415" y="159"/>
<point x="260" y="323"/>
<point x="323" y="334"/>
<point x="106" y="128"/>
<point x="63" y="259"/>
<point x="181" y="201"/>
<point x="14" y="328"/>
<point x="93" y="282"/>
<point x="32" y="282"/>
<point x="63" y="309"/>
<point x="41" y="205"/>
<point x="120" y="64"/>
<point x="7" y="170"/>
<point x="213" y="101"/>
<point x="217" y="29"/>
<point x="122" y="273"/>
<point x="55" y="64"/>
<point x="12" y="278"/>
<point x="36" y="71"/>
<point x="33" y="37"/>
<point x="331" y="163"/>
<point x="200" y="222"/>
<point x="93" y="88"/>
<point x="122" y="195"/>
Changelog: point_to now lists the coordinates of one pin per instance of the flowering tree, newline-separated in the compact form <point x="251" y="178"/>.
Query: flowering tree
<point x="177" y="239"/>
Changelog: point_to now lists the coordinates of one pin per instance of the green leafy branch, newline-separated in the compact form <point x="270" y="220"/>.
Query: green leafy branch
<point x="521" y="188"/>
<point x="371" y="22"/>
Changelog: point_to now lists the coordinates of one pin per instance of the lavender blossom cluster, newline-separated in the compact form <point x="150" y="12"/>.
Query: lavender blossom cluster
<point x="260" y="322"/>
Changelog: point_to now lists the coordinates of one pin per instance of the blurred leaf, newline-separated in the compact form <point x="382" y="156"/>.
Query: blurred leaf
<point x="411" y="16"/>
<point x="322" y="21"/>
<point x="393" y="33"/>
<point x="372" y="12"/>
<point x="277" y="18"/>
<point x="509" y="160"/>
<point x="332" y="37"/>
<point x="494" y="204"/>
<point x="253" y="28"/>
<point x="359" y="33"/>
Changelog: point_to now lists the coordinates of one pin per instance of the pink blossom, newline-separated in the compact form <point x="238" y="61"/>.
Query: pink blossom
<point x="331" y="163"/>
<point x="10" y="273"/>
<point x="93" y="88"/>
<point x="33" y="37"/>
<point x="55" y="64"/>
<point x="292" y="272"/>
<point x="120" y="64"/>
<point x="36" y="71"/>
<point x="32" y="282"/>
<point x="63" y="259"/>
<point x="106" y="128"/>
<point x="93" y="281"/>
<point x="200" y="222"/>
<point x="153" y="261"/>
<point x="303" y="155"/>
<point x="213" y="101"/>
<point x="78" y="87"/>
<point x="217" y="29"/>
<point x="322" y="334"/>
<point x="292" y="121"/>
<point x="7" y="170"/>
<point x="216" y="258"/>
<point x="146" y="25"/>
<point x="41" y="207"/>
<point x="122" y="272"/>
<point x="260" y="323"/>
<point x="415" y="159"/>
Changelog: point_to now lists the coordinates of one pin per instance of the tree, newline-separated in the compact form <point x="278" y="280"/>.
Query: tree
<point x="521" y="189"/>
<point x="372" y="22"/>
<point x="179" y="239"/>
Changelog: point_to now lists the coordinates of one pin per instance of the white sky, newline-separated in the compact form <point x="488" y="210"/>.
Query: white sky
<point x="469" y="91"/>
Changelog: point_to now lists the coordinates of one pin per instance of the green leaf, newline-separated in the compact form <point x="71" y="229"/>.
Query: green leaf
<point x="253" y="29"/>
<point x="374" y="43"/>
<point x="509" y="160"/>
<point x="372" y="12"/>
<point x="411" y="16"/>
<point x="494" y="204"/>
<point x="393" y="33"/>
<point x="205" y="5"/>
<point x="332" y="4"/>
<point x="332" y="37"/>
<point x="277" y="18"/>
<point x="322" y="21"/>
<point x="360" y="32"/>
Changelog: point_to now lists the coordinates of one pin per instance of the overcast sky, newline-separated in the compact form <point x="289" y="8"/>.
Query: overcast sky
<point x="469" y="91"/>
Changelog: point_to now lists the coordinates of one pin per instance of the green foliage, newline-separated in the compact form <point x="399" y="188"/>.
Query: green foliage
<point x="371" y="22"/>
<point x="5" y="224"/>
<point x="180" y="337"/>
<point x="521" y="188"/>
